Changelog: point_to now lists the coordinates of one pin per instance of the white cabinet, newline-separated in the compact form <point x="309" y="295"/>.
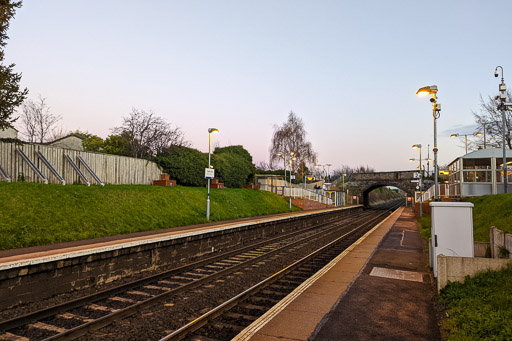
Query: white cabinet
<point x="452" y="230"/>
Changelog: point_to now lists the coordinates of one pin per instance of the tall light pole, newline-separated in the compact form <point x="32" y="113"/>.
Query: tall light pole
<point x="328" y="172"/>
<point x="465" y="136"/>
<point x="502" y="108"/>
<point x="418" y="146"/>
<point x="210" y="132"/>
<point x="283" y="154"/>
<point x="432" y="90"/>
<point x="291" y="161"/>
<point x="343" y="187"/>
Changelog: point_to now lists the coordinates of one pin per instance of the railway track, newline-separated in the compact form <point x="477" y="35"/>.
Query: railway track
<point x="227" y="320"/>
<point x="81" y="316"/>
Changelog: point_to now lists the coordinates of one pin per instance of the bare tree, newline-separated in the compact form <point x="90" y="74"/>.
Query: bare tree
<point x="37" y="122"/>
<point x="291" y="137"/>
<point x="490" y="117"/>
<point x="149" y="135"/>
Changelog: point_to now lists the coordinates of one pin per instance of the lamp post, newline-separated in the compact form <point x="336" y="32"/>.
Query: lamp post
<point x="432" y="90"/>
<point x="465" y="136"/>
<point x="502" y="106"/>
<point x="210" y="132"/>
<point x="343" y="187"/>
<point x="418" y="146"/>
<point x="291" y="162"/>
<point x="283" y="155"/>
<point x="328" y="172"/>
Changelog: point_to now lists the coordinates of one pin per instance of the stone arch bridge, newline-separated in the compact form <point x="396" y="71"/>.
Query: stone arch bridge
<point x="363" y="183"/>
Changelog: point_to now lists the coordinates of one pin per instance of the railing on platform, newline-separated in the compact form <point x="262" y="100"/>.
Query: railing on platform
<point x="298" y="192"/>
<point x="445" y="190"/>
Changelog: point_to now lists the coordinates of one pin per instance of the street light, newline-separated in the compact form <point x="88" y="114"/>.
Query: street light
<point x="432" y="90"/>
<point x="291" y="161"/>
<point x="283" y="155"/>
<point x="343" y="187"/>
<point x="502" y="107"/>
<point x="418" y="146"/>
<point x="328" y="172"/>
<point x="210" y="132"/>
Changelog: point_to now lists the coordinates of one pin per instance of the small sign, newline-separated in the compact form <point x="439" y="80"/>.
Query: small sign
<point x="409" y="199"/>
<point x="416" y="175"/>
<point x="209" y="173"/>
<point x="415" y="180"/>
<point x="354" y="197"/>
<point x="292" y="177"/>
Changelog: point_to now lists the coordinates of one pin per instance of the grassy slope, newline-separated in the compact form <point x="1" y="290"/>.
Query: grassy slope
<point x="491" y="210"/>
<point x="480" y="308"/>
<point x="37" y="214"/>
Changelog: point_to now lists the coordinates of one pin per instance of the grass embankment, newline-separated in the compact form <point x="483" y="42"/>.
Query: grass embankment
<point x="480" y="308"/>
<point x="37" y="214"/>
<point x="489" y="210"/>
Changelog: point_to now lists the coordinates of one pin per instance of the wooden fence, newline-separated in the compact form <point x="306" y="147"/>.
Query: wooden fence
<point x="500" y="241"/>
<point x="111" y="169"/>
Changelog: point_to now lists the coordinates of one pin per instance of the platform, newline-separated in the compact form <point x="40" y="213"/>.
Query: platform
<point x="379" y="289"/>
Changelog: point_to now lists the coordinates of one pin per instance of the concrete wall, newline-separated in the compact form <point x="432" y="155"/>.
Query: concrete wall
<point x="455" y="269"/>
<point x="23" y="283"/>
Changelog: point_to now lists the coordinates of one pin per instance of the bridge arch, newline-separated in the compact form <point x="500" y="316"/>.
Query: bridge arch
<point x="364" y="183"/>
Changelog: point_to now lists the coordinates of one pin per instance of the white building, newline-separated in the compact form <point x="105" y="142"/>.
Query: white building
<point x="480" y="173"/>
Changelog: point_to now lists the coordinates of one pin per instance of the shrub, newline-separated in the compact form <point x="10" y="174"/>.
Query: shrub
<point x="185" y="165"/>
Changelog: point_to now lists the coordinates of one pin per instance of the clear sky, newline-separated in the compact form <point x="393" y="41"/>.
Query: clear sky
<point x="349" y="69"/>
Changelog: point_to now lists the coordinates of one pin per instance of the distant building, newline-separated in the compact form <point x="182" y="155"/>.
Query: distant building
<point x="480" y="173"/>
<point x="8" y="133"/>
<point x="72" y="141"/>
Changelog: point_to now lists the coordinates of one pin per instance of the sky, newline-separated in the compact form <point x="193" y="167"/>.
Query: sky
<point x="349" y="69"/>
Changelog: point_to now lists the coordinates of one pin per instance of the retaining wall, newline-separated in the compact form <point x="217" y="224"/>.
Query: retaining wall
<point x="455" y="269"/>
<point x="23" y="283"/>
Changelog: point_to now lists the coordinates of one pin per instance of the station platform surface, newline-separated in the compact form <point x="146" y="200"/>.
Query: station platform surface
<point x="380" y="288"/>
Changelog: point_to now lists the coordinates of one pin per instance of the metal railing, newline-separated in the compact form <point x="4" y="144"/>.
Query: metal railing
<point x="298" y="192"/>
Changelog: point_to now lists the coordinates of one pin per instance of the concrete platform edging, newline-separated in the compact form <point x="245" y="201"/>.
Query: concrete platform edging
<point x="257" y="325"/>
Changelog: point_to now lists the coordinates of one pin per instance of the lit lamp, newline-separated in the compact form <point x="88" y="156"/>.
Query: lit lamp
<point x="210" y="132"/>
<point x="432" y="90"/>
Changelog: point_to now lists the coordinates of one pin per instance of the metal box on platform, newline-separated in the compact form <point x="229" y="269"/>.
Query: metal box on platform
<point x="452" y="230"/>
